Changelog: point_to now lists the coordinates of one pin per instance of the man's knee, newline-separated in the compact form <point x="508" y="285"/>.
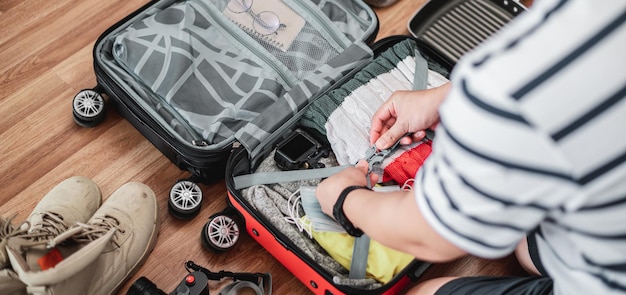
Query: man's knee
<point x="523" y="257"/>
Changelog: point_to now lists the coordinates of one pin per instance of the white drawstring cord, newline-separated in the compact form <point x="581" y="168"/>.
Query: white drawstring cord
<point x="293" y="205"/>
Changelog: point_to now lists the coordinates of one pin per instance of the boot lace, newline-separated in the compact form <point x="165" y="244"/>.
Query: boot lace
<point x="51" y="225"/>
<point x="7" y="230"/>
<point x="97" y="228"/>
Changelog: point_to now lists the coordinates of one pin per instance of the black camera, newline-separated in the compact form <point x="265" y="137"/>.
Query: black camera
<point x="194" y="283"/>
<point x="299" y="151"/>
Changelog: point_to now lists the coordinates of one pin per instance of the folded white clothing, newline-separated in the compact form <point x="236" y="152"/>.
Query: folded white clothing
<point x="348" y="126"/>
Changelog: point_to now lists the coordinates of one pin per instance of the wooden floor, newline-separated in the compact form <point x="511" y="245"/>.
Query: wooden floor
<point x="45" y="59"/>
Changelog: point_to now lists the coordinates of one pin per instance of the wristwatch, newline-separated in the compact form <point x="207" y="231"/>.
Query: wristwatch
<point x="340" y="215"/>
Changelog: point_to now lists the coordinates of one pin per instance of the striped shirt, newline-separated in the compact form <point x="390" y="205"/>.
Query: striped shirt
<point x="533" y="136"/>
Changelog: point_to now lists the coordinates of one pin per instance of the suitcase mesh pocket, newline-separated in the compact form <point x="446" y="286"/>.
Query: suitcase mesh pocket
<point x="314" y="45"/>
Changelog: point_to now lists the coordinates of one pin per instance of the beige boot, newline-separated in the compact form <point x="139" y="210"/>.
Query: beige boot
<point x="73" y="200"/>
<point x="70" y="275"/>
<point x="134" y="211"/>
<point x="108" y="248"/>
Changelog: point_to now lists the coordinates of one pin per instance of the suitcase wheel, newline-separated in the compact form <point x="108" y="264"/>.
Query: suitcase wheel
<point x="220" y="233"/>
<point x="88" y="108"/>
<point x="185" y="200"/>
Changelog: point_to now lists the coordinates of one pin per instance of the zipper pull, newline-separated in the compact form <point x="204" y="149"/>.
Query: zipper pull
<point x="200" y="142"/>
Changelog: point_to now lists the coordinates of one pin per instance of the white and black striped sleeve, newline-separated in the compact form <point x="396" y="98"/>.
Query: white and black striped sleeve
<point x="514" y="146"/>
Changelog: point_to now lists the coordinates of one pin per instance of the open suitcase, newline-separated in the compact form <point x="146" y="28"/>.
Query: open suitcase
<point x="256" y="83"/>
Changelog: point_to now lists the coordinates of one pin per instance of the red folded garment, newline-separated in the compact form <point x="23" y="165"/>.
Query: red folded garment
<point x="405" y="166"/>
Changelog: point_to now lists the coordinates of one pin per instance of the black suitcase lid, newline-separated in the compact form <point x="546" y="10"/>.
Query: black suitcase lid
<point x="132" y="65"/>
<point x="148" y="56"/>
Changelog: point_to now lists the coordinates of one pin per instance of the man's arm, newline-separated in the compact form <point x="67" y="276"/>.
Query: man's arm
<point x="391" y="218"/>
<point x="395" y="220"/>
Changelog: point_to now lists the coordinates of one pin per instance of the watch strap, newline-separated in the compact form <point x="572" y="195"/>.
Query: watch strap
<point x="340" y="215"/>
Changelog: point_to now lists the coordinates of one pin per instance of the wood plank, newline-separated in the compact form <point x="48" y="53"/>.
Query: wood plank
<point x="394" y="18"/>
<point x="14" y="106"/>
<point x="64" y="33"/>
<point x="6" y="5"/>
<point x="77" y="70"/>
<point x="26" y="15"/>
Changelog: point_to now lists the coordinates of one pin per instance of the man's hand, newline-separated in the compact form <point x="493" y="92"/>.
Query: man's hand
<point x="329" y="189"/>
<point x="404" y="112"/>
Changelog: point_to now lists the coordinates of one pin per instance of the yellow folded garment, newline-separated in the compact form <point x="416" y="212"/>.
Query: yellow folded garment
<point x="383" y="262"/>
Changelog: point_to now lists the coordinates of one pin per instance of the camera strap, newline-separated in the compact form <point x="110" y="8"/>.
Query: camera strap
<point x="235" y="287"/>
<point x="258" y="282"/>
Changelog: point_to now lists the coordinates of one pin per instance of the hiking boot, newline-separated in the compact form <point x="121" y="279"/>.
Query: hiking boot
<point x="73" y="200"/>
<point x="62" y="271"/>
<point x="133" y="209"/>
<point x="108" y="248"/>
